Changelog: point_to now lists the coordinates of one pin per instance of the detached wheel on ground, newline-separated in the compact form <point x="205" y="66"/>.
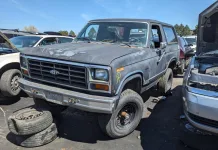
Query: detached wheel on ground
<point x="54" y="108"/>
<point x="44" y="137"/>
<point x="165" y="83"/>
<point x="29" y="121"/>
<point x="9" y="82"/>
<point x="125" y="118"/>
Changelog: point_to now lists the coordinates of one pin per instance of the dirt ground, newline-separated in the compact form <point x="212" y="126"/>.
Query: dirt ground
<point x="160" y="128"/>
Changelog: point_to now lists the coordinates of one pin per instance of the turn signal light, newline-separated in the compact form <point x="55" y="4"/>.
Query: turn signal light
<point x="25" y="72"/>
<point x="101" y="87"/>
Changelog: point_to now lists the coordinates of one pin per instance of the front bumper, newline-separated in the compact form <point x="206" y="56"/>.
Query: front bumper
<point x="200" y="109"/>
<point x="86" y="102"/>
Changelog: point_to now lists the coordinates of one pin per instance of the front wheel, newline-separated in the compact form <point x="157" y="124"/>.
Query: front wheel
<point x="9" y="83"/>
<point x="125" y="118"/>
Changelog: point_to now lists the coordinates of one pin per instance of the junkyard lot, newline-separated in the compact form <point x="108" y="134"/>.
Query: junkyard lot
<point x="163" y="129"/>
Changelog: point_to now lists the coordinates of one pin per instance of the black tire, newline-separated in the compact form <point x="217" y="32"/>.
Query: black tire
<point x="44" y="137"/>
<point x="108" y="123"/>
<point x="29" y="121"/>
<point x="9" y="83"/>
<point x="182" y="67"/>
<point x="54" y="108"/>
<point x="165" y="83"/>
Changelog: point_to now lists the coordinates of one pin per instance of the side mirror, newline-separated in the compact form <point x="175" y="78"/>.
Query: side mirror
<point x="190" y="54"/>
<point x="163" y="45"/>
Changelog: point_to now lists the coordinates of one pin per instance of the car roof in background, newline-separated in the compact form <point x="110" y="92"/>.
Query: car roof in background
<point x="190" y="36"/>
<point x="45" y="36"/>
<point x="130" y="20"/>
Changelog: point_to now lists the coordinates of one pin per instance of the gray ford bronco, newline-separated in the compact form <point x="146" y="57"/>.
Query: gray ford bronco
<point x="106" y="68"/>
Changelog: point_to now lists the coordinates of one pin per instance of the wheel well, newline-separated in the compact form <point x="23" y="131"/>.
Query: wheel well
<point x="172" y="65"/>
<point x="9" y="66"/>
<point x="134" y="84"/>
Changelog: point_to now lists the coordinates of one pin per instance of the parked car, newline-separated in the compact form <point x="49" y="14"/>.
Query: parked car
<point x="192" y="40"/>
<point x="104" y="70"/>
<point x="184" y="60"/>
<point x="200" y="87"/>
<point x="39" y="40"/>
<point x="9" y="68"/>
<point x="10" y="33"/>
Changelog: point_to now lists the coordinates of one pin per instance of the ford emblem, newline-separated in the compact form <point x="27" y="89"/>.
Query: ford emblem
<point x="54" y="72"/>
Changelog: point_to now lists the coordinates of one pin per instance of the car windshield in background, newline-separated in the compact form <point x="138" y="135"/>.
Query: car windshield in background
<point x="191" y="40"/>
<point x="24" y="41"/>
<point x="115" y="32"/>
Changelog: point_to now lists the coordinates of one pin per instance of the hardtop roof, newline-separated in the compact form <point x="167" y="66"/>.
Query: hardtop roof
<point x="129" y="20"/>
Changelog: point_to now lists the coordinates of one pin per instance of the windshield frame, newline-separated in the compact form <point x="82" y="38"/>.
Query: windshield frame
<point x="96" y="22"/>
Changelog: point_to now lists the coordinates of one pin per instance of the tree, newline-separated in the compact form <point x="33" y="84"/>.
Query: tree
<point x="186" y="31"/>
<point x="72" y="33"/>
<point x="196" y="30"/>
<point x="30" y="29"/>
<point x="64" y="32"/>
<point x="182" y="30"/>
<point x="92" y="33"/>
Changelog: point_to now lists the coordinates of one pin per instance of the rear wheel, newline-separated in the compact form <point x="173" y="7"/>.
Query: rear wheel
<point x="125" y="118"/>
<point x="165" y="83"/>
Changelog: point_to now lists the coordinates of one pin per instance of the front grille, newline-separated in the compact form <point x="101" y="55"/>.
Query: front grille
<point x="58" y="73"/>
<point x="204" y="121"/>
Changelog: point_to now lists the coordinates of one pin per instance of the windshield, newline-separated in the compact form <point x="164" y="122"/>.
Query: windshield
<point x="24" y="41"/>
<point x="191" y="41"/>
<point x="115" y="32"/>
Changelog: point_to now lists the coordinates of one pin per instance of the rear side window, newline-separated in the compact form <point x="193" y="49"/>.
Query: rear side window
<point x="65" y="40"/>
<point x="170" y="35"/>
<point x="48" y="41"/>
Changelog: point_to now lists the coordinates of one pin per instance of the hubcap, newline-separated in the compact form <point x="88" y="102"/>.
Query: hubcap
<point x="14" y="83"/>
<point x="126" y="116"/>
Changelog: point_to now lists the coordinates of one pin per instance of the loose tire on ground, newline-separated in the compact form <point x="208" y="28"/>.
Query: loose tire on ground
<point x="54" y="108"/>
<point x="44" y="137"/>
<point x="9" y="82"/>
<point x="29" y="121"/>
<point x="109" y="124"/>
<point x="165" y="83"/>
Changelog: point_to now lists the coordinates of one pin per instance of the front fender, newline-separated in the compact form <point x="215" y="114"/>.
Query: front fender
<point x="9" y="58"/>
<point x="126" y="79"/>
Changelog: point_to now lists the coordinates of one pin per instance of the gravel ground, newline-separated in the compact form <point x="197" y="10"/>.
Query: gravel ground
<point x="160" y="128"/>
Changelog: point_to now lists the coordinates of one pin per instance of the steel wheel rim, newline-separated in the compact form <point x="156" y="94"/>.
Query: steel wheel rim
<point x="14" y="83"/>
<point x="126" y="116"/>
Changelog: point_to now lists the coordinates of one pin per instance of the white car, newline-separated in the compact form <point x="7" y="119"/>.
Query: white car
<point x="9" y="68"/>
<point x="38" y="40"/>
<point x="192" y="40"/>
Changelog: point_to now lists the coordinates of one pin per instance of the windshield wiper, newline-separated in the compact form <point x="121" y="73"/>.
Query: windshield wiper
<point x="126" y="43"/>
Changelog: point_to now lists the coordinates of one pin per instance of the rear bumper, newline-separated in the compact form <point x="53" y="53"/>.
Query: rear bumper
<point x="86" y="102"/>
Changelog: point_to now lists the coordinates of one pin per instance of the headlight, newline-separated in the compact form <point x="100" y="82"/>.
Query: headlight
<point x="23" y="62"/>
<point x="100" y="74"/>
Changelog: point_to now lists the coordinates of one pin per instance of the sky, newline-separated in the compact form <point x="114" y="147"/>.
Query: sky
<point x="55" y="15"/>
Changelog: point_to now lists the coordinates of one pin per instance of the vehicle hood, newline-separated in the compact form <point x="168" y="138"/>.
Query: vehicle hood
<point x="208" y="30"/>
<point x="92" y="53"/>
<point x="10" y="45"/>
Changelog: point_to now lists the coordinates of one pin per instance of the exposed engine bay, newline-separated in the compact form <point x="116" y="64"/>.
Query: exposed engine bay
<point x="204" y="75"/>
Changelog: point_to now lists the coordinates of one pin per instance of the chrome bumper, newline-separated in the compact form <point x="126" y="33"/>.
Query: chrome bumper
<point x="198" y="103"/>
<point x="86" y="102"/>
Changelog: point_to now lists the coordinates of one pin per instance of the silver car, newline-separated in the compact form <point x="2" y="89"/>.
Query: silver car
<point x="200" y="85"/>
